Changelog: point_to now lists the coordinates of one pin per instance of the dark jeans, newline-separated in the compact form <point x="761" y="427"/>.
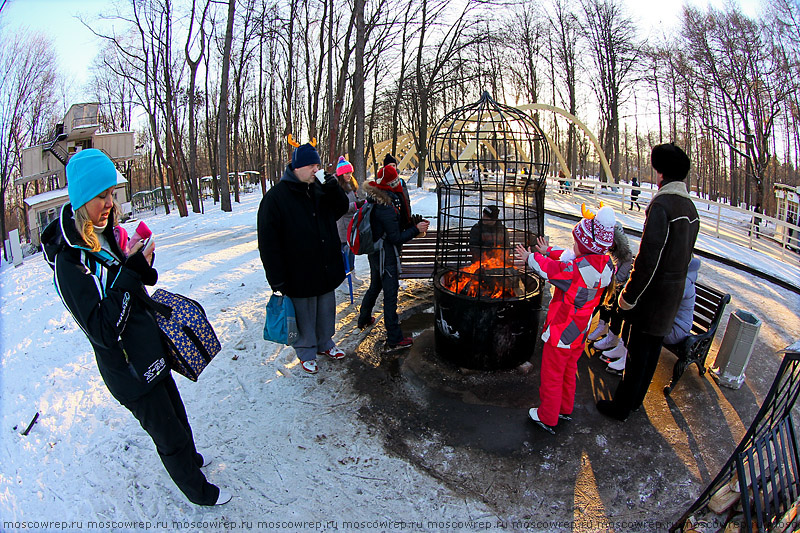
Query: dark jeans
<point x="612" y="316"/>
<point x="163" y="416"/>
<point x="643" y="353"/>
<point x="389" y="283"/>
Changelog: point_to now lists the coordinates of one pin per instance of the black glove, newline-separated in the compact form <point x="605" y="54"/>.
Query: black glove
<point x="329" y="177"/>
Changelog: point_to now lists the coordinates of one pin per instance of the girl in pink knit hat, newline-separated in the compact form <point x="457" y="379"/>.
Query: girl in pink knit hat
<point x="348" y="183"/>
<point x="579" y="277"/>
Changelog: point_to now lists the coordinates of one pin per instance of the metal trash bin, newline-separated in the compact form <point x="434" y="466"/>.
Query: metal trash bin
<point x="736" y="348"/>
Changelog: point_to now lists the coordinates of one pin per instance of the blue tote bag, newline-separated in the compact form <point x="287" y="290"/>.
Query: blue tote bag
<point x="281" y="324"/>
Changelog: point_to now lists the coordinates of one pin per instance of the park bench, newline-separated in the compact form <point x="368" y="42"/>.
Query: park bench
<point x="417" y="257"/>
<point x="419" y="254"/>
<point x="708" y="307"/>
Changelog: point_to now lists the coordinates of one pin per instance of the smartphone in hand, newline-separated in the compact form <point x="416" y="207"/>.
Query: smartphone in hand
<point x="148" y="245"/>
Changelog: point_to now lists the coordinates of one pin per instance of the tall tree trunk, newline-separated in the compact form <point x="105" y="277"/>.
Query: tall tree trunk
<point x="194" y="189"/>
<point x="222" y="131"/>
<point x="360" y="163"/>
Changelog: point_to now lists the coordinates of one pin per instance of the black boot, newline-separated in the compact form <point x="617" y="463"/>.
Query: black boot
<point x="608" y="408"/>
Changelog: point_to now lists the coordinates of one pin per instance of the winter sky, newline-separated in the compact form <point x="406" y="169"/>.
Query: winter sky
<point x="77" y="46"/>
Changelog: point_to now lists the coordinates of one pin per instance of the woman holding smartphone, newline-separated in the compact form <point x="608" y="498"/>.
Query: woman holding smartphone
<point x="98" y="284"/>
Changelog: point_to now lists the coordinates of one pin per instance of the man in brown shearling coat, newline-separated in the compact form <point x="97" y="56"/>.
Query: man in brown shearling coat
<point x="653" y="292"/>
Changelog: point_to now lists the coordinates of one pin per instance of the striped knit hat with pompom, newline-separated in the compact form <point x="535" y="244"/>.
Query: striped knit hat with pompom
<point x="343" y="167"/>
<point x="595" y="235"/>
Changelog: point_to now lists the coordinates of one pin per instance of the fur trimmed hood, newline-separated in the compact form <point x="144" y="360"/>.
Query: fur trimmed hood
<point x="379" y="196"/>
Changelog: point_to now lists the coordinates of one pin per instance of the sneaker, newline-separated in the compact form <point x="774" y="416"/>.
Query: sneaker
<point x="369" y="323"/>
<point x="333" y="353"/>
<point x="609" y="341"/>
<point x="405" y="343"/>
<point x="617" y="352"/>
<point x="599" y="331"/>
<point x="617" y="367"/>
<point x="534" y="414"/>
<point x="309" y="366"/>
<point x="566" y="418"/>
<point x="224" y="497"/>
<point x="201" y="461"/>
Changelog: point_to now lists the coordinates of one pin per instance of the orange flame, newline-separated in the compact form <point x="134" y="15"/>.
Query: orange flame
<point x="469" y="281"/>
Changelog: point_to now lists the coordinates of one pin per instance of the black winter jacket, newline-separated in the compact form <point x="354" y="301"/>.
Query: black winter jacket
<point x="655" y="287"/>
<point x="297" y="236"/>
<point x="100" y="293"/>
<point x="386" y="222"/>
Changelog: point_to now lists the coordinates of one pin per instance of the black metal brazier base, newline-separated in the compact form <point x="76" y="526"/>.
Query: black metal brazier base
<point x="487" y="334"/>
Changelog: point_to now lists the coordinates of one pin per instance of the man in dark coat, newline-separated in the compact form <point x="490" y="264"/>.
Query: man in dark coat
<point x="654" y="290"/>
<point x="300" y="250"/>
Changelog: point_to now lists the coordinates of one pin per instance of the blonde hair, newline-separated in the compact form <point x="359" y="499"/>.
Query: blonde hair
<point x="85" y="227"/>
<point x="610" y="293"/>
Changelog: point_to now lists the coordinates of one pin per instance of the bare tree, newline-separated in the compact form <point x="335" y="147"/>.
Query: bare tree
<point x="612" y="39"/>
<point x="192" y="98"/>
<point x="27" y="94"/>
<point x="359" y="165"/>
<point x="566" y="28"/>
<point x="436" y="64"/>
<point x="747" y="78"/>
<point x="222" y="129"/>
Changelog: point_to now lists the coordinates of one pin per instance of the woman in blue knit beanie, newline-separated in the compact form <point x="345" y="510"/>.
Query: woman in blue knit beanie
<point x="99" y="284"/>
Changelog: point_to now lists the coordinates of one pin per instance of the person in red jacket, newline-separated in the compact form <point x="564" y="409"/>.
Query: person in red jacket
<point x="579" y="276"/>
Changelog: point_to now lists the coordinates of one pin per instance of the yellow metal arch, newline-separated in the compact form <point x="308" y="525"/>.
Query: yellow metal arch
<point x="407" y="153"/>
<point x="572" y="118"/>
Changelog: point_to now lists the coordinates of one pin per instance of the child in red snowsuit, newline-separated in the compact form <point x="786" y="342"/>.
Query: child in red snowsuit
<point x="579" y="276"/>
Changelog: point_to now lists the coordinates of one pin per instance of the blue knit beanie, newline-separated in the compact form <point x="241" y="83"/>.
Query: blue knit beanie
<point x="305" y="155"/>
<point x="89" y="172"/>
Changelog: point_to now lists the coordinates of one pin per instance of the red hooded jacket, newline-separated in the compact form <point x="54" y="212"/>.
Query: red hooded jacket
<point x="579" y="285"/>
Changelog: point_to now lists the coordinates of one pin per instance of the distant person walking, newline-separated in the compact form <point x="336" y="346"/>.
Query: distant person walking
<point x="756" y="222"/>
<point x="302" y="255"/>
<point x="99" y="283"/>
<point x="654" y="290"/>
<point x="635" y="195"/>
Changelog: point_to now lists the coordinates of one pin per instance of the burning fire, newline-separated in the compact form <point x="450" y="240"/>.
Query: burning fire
<point x="486" y="277"/>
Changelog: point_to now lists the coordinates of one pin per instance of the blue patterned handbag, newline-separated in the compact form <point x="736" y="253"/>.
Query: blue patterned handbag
<point x="188" y="334"/>
<point x="281" y="324"/>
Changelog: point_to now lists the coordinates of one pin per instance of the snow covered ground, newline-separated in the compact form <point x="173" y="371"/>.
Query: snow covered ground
<point x="289" y="446"/>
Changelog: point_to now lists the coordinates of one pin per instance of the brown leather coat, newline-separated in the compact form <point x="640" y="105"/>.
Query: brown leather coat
<point x="655" y="287"/>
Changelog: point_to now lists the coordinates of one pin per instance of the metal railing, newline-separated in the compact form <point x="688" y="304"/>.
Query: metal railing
<point x="771" y="236"/>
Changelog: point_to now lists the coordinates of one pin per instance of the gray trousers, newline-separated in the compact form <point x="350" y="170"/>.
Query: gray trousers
<point x="316" y="324"/>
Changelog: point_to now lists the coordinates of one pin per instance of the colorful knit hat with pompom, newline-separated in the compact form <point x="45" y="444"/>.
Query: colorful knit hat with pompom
<point x="343" y="167"/>
<point x="595" y="232"/>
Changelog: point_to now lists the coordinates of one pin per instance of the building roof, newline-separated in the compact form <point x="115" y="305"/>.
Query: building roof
<point x="784" y="186"/>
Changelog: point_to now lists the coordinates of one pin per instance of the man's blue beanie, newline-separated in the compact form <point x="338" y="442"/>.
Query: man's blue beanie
<point x="89" y="172"/>
<point x="305" y="155"/>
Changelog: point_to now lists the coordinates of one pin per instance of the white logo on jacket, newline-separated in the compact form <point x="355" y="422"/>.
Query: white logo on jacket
<point x="125" y="301"/>
<point x="154" y="369"/>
